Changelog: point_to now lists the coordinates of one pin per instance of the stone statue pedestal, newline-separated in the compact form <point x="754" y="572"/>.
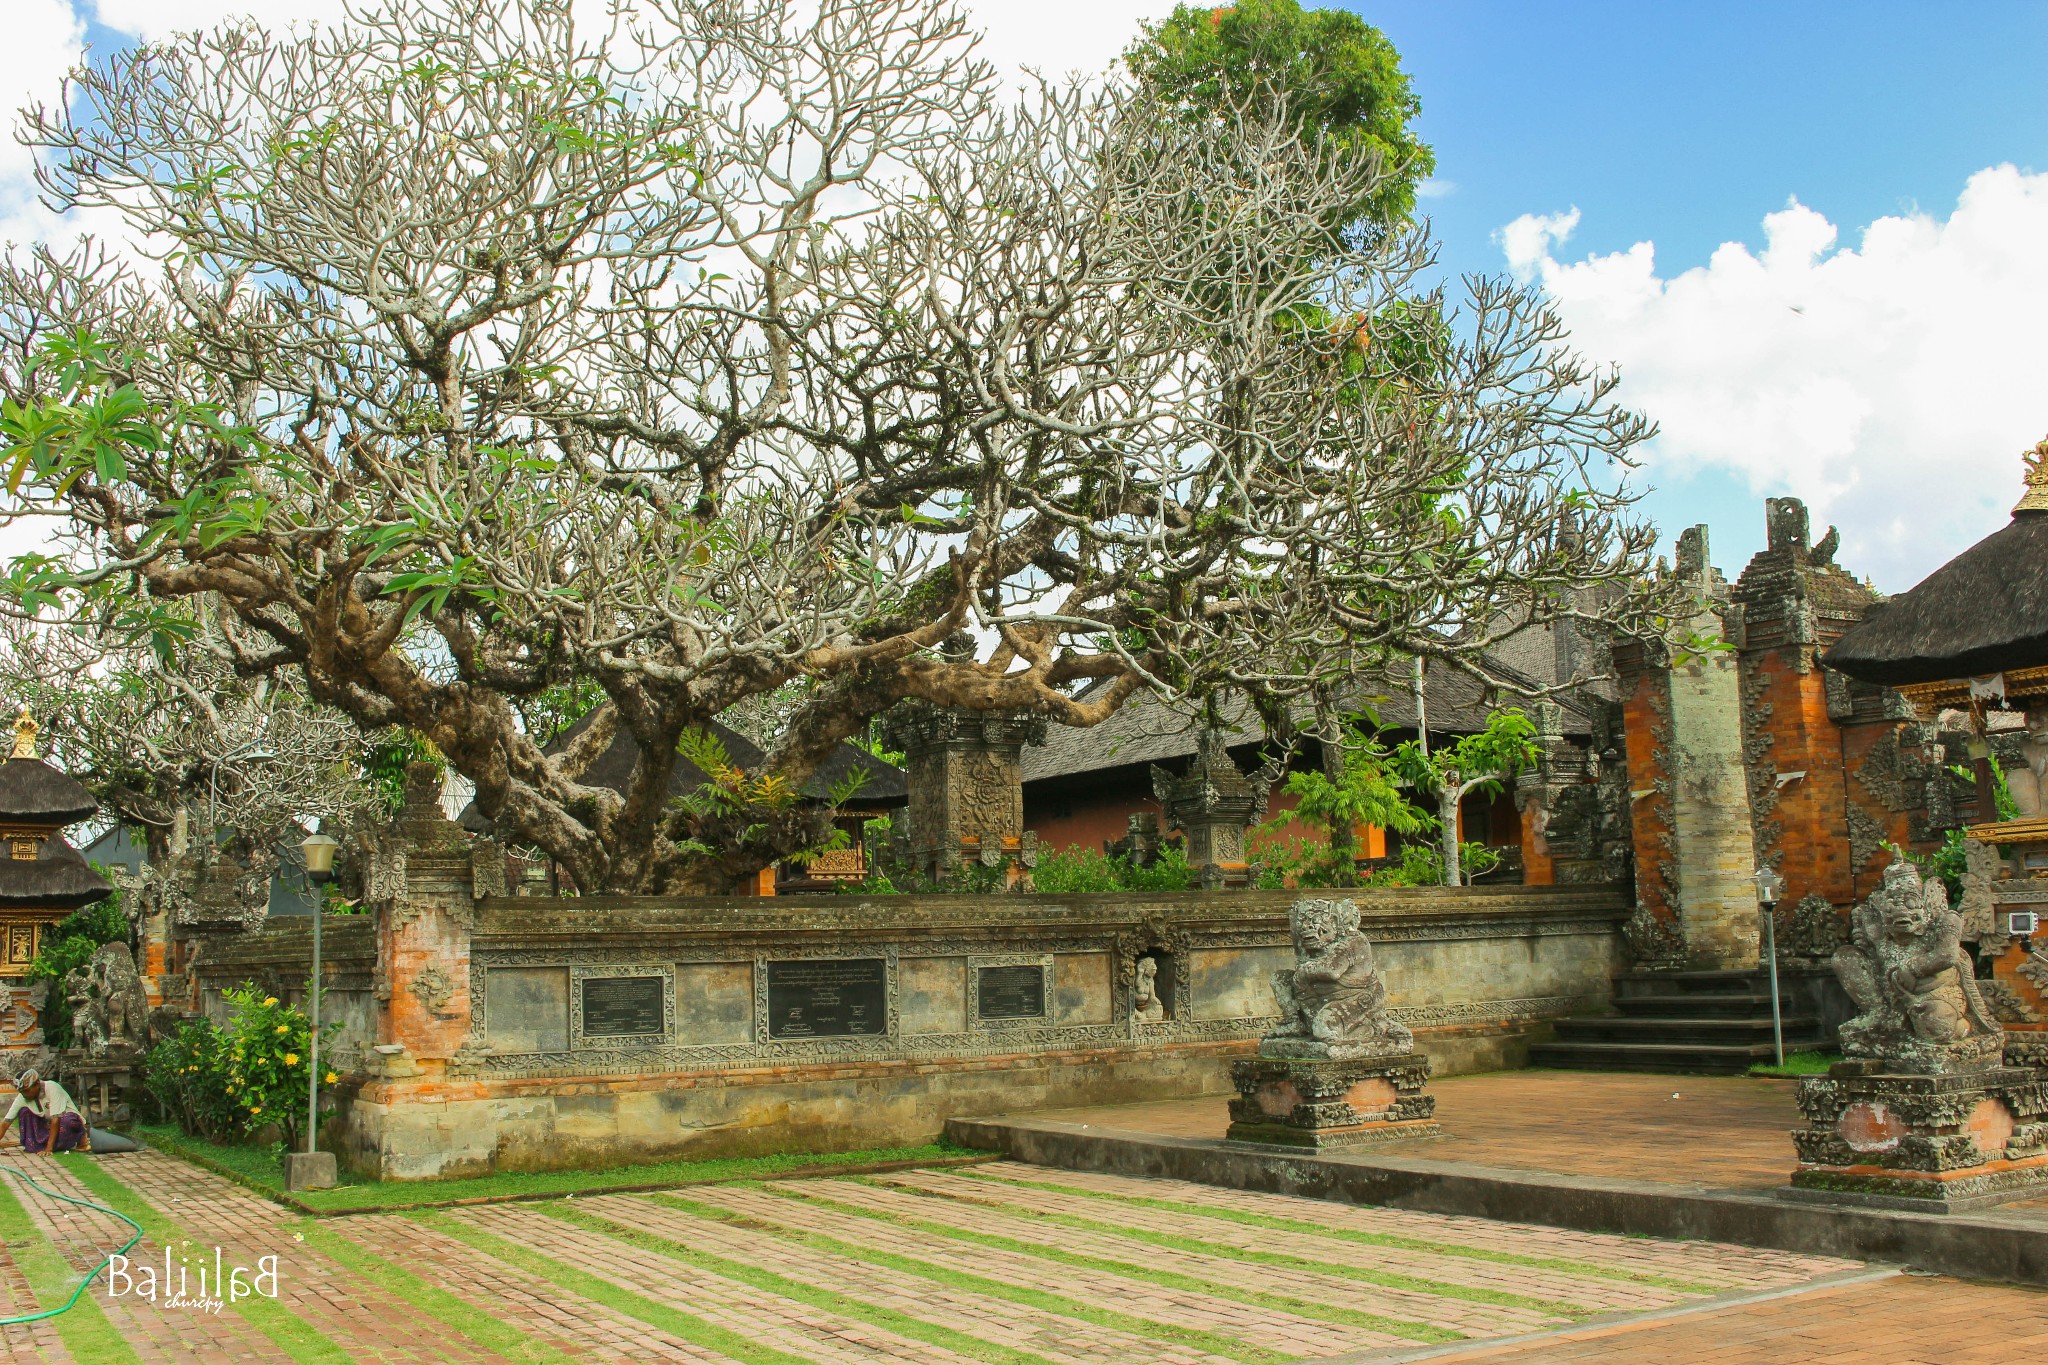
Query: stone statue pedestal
<point x="1884" y="1135"/>
<point x="1319" y="1102"/>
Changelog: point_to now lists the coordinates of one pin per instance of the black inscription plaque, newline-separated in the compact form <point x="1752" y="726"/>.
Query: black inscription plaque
<point x="622" y="1006"/>
<point x="828" y="998"/>
<point x="1012" y="992"/>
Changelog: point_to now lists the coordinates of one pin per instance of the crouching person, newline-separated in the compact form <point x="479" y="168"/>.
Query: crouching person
<point x="50" y="1122"/>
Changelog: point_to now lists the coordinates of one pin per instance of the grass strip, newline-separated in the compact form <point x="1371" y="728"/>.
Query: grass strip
<point x="815" y="1296"/>
<point x="1165" y="1279"/>
<point x="491" y="1333"/>
<point x="292" y="1334"/>
<point x="1392" y="1240"/>
<point x="85" y="1330"/>
<point x="1044" y="1301"/>
<point x="261" y="1170"/>
<point x="1277" y="1260"/>
<point x="626" y="1302"/>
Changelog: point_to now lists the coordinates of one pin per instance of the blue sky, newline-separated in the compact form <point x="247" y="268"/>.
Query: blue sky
<point x="1684" y="125"/>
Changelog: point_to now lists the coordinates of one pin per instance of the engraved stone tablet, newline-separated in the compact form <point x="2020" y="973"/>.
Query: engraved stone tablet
<point x="828" y="998"/>
<point x="622" y="1007"/>
<point x="1012" y="992"/>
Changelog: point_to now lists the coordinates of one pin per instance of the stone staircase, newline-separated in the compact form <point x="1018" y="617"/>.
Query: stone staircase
<point x="1710" y="1022"/>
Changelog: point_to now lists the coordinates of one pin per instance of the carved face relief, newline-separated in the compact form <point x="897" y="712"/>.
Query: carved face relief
<point x="1907" y="917"/>
<point x="1320" y="925"/>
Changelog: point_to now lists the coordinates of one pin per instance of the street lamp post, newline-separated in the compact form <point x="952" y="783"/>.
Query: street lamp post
<point x="1770" y="889"/>
<point x="318" y="850"/>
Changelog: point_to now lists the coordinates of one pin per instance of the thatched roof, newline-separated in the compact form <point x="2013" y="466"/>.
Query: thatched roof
<point x="34" y="793"/>
<point x="885" y="785"/>
<point x="1985" y="611"/>
<point x="1143" y="731"/>
<point x="56" y="878"/>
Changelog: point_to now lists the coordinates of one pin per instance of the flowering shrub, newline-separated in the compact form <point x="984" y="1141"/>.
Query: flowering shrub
<point x="225" y="1083"/>
<point x="182" y="1074"/>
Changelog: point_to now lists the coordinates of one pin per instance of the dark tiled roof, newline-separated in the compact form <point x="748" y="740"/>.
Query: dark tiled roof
<point x="1144" y="731"/>
<point x="885" y="785"/>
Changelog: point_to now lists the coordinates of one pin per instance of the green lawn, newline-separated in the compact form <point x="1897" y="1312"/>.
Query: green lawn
<point x="261" y="1169"/>
<point x="1797" y="1064"/>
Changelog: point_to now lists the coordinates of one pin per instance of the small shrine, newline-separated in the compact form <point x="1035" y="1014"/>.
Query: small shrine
<point x="42" y="877"/>
<point x="1213" y="804"/>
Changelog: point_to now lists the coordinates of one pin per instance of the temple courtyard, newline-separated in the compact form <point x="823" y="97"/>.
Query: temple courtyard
<point x="1004" y="1261"/>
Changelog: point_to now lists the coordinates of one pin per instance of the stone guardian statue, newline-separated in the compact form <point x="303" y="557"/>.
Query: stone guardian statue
<point x="1333" y="1002"/>
<point x="1337" y="1071"/>
<point x="1915" y="992"/>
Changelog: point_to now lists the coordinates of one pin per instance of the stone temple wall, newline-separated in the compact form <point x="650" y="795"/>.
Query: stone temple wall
<point x="597" y="1030"/>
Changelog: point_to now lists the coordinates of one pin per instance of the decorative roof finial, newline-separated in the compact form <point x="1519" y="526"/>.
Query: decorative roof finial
<point x="24" y="734"/>
<point x="2036" y="499"/>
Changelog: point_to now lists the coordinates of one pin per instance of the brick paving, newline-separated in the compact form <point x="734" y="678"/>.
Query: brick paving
<point x="1727" y="1132"/>
<point x="1089" y="1269"/>
<point x="1906" y="1320"/>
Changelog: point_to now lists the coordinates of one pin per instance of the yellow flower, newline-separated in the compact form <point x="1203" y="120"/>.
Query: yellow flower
<point x="284" y="1028"/>
<point x="332" y="1078"/>
<point x="270" y="1000"/>
<point x="291" y="1059"/>
<point x="255" y="1108"/>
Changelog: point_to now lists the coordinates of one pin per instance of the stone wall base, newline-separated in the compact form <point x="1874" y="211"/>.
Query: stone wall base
<point x="402" y="1131"/>
<point x="426" y="1128"/>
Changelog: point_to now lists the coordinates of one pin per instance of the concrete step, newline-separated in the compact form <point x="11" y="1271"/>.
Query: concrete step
<point x="1801" y="1032"/>
<point x="1701" y="1006"/>
<point x="1692" y="983"/>
<point x="1686" y="1058"/>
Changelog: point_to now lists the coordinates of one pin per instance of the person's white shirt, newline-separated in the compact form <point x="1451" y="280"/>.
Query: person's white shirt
<point x="48" y="1105"/>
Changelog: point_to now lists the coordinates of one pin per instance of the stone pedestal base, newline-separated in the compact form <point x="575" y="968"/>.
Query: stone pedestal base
<point x="1321" y="1104"/>
<point x="309" y="1171"/>
<point x="1936" y="1143"/>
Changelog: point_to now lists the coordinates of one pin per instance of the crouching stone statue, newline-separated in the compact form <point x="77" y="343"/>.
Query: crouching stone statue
<point x="1920" y="1113"/>
<point x="1905" y="968"/>
<point x="1337" y="1070"/>
<point x="1333" y="1002"/>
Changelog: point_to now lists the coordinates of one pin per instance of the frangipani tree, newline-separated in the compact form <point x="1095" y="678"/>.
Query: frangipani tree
<point x="1482" y="762"/>
<point x="174" y="743"/>
<point x="749" y="343"/>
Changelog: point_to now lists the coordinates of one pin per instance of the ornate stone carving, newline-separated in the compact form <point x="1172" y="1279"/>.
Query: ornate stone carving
<point x="109" y="1008"/>
<point x="487" y="869"/>
<point x="1146" y="1006"/>
<point x="1213" y="804"/>
<point x="1809" y="932"/>
<point x="1980" y="874"/>
<point x="965" y="773"/>
<point x="433" y="988"/>
<point x="1331" y="1104"/>
<point x="1141" y="842"/>
<point x="1333" y="1003"/>
<point x="1653" y="941"/>
<point x="1918" y="1004"/>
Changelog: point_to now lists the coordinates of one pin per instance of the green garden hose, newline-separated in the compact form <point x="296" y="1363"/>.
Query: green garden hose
<point x="90" y="1275"/>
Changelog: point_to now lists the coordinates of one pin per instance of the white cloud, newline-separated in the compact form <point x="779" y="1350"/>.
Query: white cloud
<point x="155" y="20"/>
<point x="1528" y="240"/>
<point x="1057" y="37"/>
<point x="1891" y="384"/>
<point x="44" y="40"/>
